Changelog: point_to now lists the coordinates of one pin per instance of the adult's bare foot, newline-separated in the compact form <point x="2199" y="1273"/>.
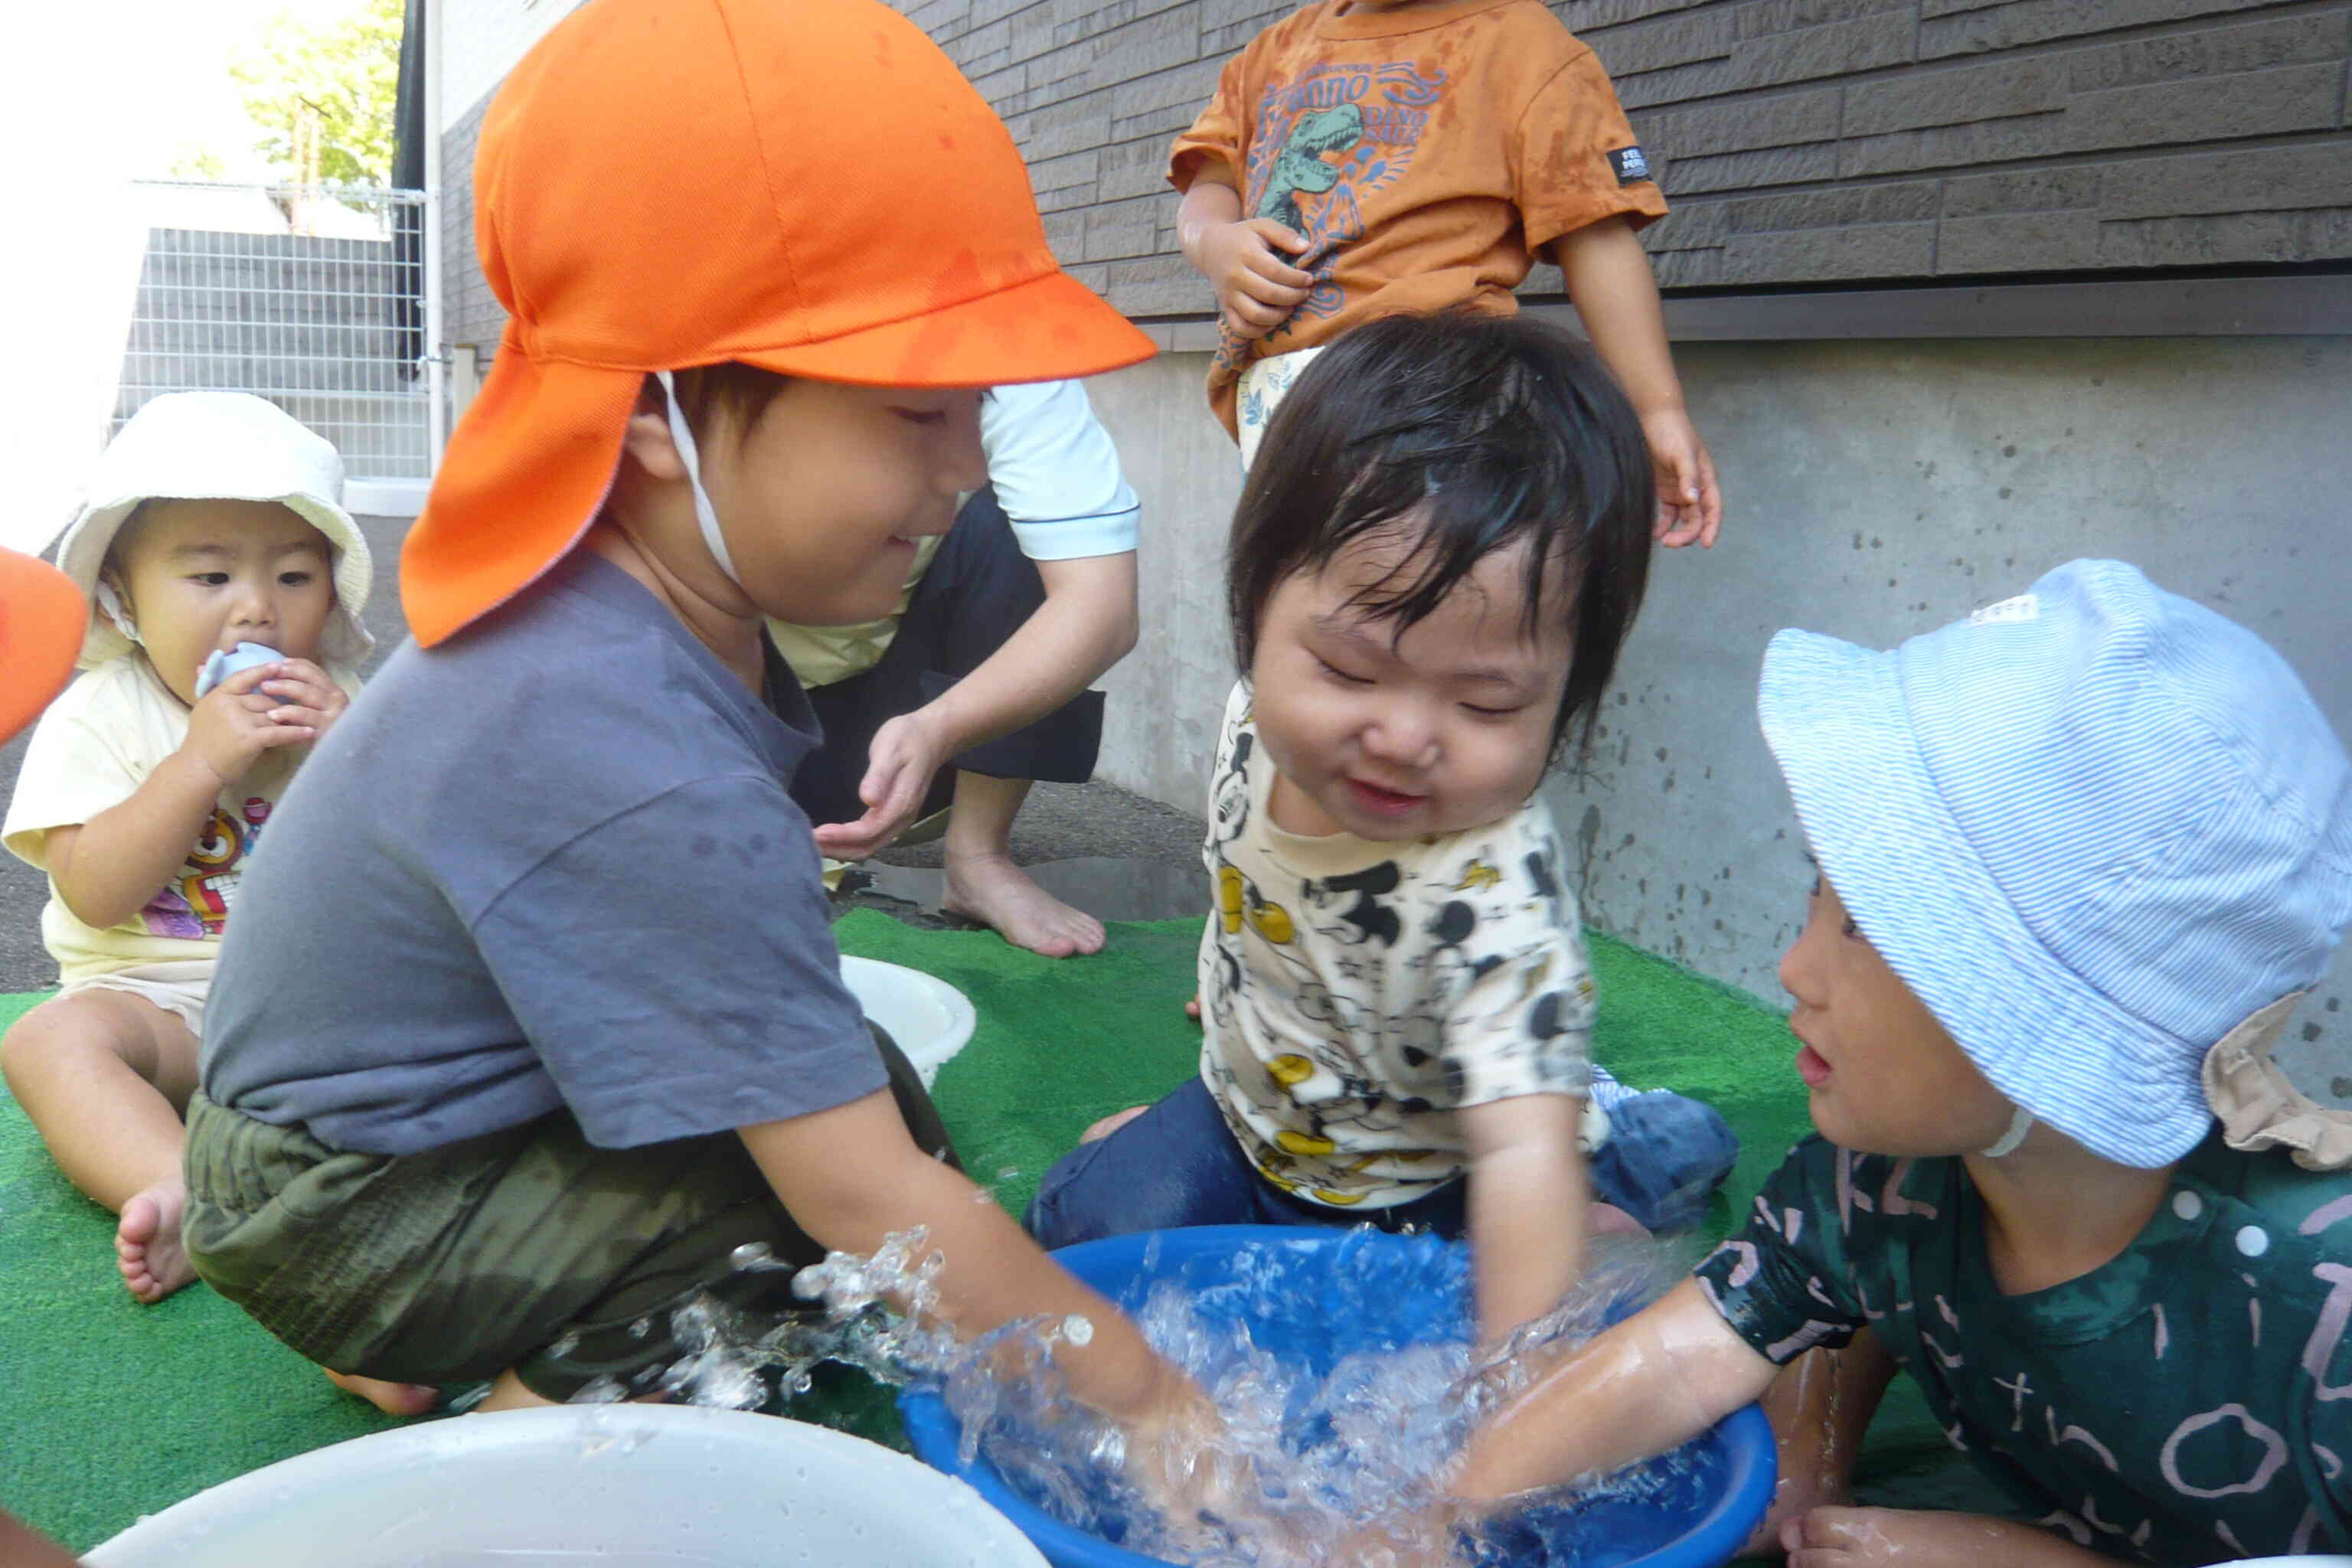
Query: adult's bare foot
<point x="147" y="1246"/>
<point x="991" y="890"/>
<point x="392" y="1398"/>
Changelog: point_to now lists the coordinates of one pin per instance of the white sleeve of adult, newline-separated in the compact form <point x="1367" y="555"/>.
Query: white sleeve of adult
<point x="1057" y="473"/>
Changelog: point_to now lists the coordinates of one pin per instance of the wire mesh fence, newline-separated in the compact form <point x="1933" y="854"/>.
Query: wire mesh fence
<point x="313" y="299"/>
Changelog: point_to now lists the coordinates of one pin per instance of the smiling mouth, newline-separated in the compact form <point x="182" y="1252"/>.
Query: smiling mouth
<point x="1375" y="797"/>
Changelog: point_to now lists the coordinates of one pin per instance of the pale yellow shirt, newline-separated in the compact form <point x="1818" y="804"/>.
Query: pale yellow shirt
<point x="92" y="750"/>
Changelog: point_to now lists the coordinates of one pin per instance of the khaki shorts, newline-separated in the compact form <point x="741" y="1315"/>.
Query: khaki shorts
<point x="528" y="1249"/>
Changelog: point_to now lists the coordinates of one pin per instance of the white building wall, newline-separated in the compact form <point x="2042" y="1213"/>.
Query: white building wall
<point x="479" y="41"/>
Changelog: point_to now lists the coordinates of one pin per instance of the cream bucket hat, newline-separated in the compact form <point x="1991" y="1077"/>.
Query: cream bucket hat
<point x="216" y="446"/>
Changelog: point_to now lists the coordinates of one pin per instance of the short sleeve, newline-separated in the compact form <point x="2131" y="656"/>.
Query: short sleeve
<point x="1780" y="1285"/>
<point x="1523" y="1025"/>
<point x="76" y="764"/>
<point x="1057" y="473"/>
<point x="1577" y="161"/>
<point x="1217" y="139"/>
<point x="675" y="972"/>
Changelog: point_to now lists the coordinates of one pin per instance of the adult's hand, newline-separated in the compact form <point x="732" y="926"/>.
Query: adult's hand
<point x="905" y="754"/>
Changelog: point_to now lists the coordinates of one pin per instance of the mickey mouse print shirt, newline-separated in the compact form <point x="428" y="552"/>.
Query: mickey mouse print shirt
<point x="1355" y="994"/>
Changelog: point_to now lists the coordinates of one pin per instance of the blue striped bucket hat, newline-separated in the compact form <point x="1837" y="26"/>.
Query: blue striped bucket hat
<point x="2094" y="828"/>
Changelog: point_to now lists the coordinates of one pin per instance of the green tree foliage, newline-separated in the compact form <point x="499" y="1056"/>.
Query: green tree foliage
<point x="340" y="75"/>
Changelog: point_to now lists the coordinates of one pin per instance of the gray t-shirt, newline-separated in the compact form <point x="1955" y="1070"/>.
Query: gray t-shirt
<point x="551" y="863"/>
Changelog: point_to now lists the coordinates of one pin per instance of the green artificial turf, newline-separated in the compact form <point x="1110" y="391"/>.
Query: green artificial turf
<point x="110" y="1410"/>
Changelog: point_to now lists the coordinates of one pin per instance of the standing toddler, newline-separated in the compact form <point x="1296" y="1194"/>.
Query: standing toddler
<point x="1366" y="158"/>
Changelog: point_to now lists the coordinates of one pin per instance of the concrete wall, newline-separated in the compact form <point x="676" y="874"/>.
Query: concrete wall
<point x="1875" y="489"/>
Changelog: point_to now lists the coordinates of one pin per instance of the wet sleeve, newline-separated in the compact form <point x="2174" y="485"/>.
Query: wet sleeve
<point x="1781" y="1283"/>
<point x="1216" y="140"/>
<point x="1576" y="158"/>
<point x="674" y="971"/>
<point x="78" y="762"/>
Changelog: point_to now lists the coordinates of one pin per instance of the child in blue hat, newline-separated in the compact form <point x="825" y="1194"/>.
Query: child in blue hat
<point x="2079" y="856"/>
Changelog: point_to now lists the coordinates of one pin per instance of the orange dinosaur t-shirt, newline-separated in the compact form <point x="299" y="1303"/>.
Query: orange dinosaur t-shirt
<point x="1426" y="152"/>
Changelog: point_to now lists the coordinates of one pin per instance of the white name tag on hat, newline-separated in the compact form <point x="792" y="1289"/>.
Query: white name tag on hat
<point x="2024" y="607"/>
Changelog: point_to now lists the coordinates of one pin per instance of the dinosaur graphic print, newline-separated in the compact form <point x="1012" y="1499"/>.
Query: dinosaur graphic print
<point x="1327" y="143"/>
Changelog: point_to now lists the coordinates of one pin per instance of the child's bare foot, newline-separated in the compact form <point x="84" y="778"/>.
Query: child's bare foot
<point x="1111" y="1123"/>
<point x="147" y="1246"/>
<point x="991" y="890"/>
<point x="1911" y="1538"/>
<point x="392" y="1398"/>
<point x="1193" y="1008"/>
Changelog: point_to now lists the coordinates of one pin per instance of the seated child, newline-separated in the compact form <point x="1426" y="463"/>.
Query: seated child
<point x="214" y="518"/>
<point x="1436" y="556"/>
<point x="2079" y="856"/>
<point x="536" y="1037"/>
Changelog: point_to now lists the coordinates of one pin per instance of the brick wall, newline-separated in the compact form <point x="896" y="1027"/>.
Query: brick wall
<point x="1802" y="142"/>
<point x="471" y="313"/>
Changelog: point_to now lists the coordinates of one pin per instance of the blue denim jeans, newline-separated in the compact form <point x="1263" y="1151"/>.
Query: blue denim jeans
<point x="1177" y="1165"/>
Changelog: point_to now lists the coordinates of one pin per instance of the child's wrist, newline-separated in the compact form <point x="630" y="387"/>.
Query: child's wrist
<point x="198" y="773"/>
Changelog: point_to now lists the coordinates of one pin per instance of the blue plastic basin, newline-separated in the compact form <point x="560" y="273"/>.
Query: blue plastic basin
<point x="1695" y="1520"/>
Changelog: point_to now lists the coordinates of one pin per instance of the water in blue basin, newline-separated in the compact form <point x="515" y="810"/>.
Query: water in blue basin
<point x="1340" y="1360"/>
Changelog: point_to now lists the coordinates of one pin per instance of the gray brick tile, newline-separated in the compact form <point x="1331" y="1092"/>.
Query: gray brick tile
<point x="1673" y="40"/>
<point x="1906" y="201"/>
<point x="2249" y="180"/>
<point x="1747" y="171"/>
<point x="1869" y="43"/>
<point x="2017" y="242"/>
<point x="2219" y="239"/>
<point x="1954" y="97"/>
<point x="1948" y="29"/>
<point x="1747" y="125"/>
<point x="2222" y="51"/>
<point x="1872" y="251"/>
<point x="2022" y="191"/>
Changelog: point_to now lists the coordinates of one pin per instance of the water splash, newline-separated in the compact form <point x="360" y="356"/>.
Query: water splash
<point x="1343" y="1372"/>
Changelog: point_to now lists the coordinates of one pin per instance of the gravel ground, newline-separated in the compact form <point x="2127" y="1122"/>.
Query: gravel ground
<point x="1061" y="822"/>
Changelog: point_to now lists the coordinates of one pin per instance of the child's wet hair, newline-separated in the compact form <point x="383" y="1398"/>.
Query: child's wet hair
<point x="1477" y="434"/>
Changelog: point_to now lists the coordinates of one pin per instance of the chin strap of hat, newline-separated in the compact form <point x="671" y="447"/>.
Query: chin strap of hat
<point x="2019" y="1125"/>
<point x="109" y="605"/>
<point x="703" y="511"/>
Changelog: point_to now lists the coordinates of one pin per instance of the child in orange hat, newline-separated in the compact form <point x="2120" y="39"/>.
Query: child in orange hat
<point x="548" y="1029"/>
<point x="41" y="620"/>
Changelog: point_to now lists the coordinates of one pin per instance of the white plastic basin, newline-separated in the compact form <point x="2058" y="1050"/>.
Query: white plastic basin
<point x="928" y="1018"/>
<point x="598" y="1486"/>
